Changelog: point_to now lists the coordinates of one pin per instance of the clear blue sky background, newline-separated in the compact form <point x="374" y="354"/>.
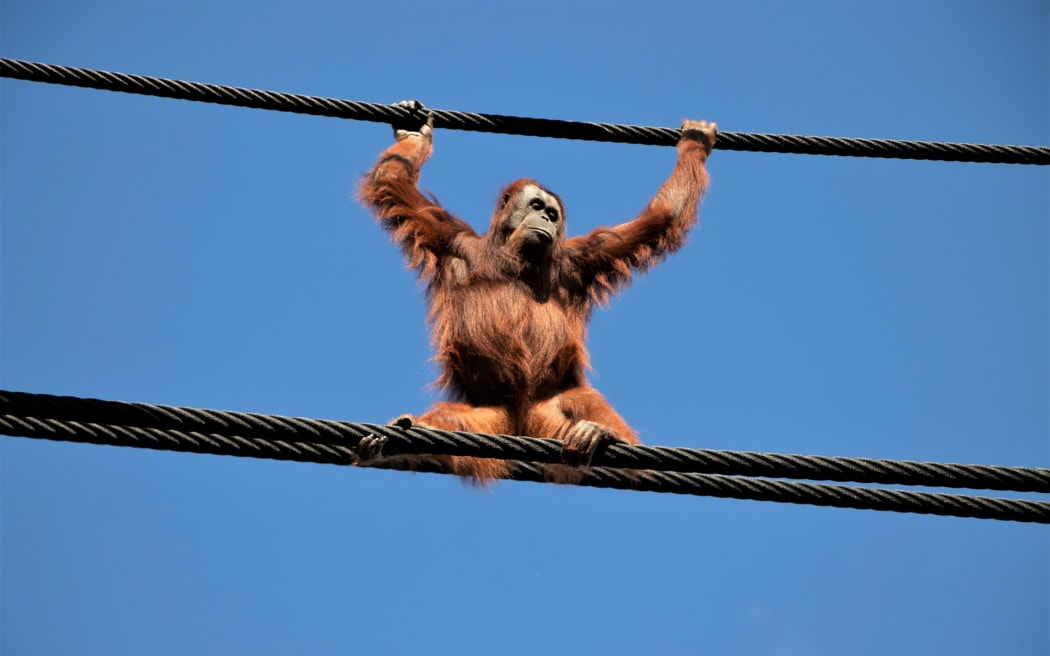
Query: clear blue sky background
<point x="173" y="252"/>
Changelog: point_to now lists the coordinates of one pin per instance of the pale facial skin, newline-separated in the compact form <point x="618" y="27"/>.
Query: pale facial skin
<point x="536" y="219"/>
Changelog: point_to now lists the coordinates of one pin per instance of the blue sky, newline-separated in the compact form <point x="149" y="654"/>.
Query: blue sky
<point x="180" y="253"/>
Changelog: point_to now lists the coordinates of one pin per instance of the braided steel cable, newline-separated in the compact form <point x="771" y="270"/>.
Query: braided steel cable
<point x="755" y="489"/>
<point x="169" y="439"/>
<point x="419" y="440"/>
<point x="813" y="494"/>
<point x="760" y="489"/>
<point x="535" y="127"/>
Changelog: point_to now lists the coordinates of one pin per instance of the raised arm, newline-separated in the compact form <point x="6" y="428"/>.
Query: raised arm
<point x="607" y="257"/>
<point x="418" y="225"/>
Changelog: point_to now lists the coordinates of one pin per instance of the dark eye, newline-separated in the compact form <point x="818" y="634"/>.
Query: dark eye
<point x="536" y="204"/>
<point x="553" y="214"/>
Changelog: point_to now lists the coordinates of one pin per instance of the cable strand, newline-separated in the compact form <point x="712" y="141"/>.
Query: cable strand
<point x="418" y="441"/>
<point x="755" y="489"/>
<point x="495" y="123"/>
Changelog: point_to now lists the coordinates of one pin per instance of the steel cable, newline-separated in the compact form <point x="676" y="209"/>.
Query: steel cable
<point x="495" y="123"/>
<point x="657" y="469"/>
<point x="756" y="489"/>
<point x="420" y="440"/>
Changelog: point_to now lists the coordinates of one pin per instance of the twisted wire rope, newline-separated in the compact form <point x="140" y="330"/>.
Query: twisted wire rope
<point x="755" y="489"/>
<point x="495" y="123"/>
<point x="420" y="440"/>
<point x="714" y="473"/>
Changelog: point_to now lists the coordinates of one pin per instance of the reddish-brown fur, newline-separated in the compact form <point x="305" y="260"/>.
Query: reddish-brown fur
<point x="509" y="325"/>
